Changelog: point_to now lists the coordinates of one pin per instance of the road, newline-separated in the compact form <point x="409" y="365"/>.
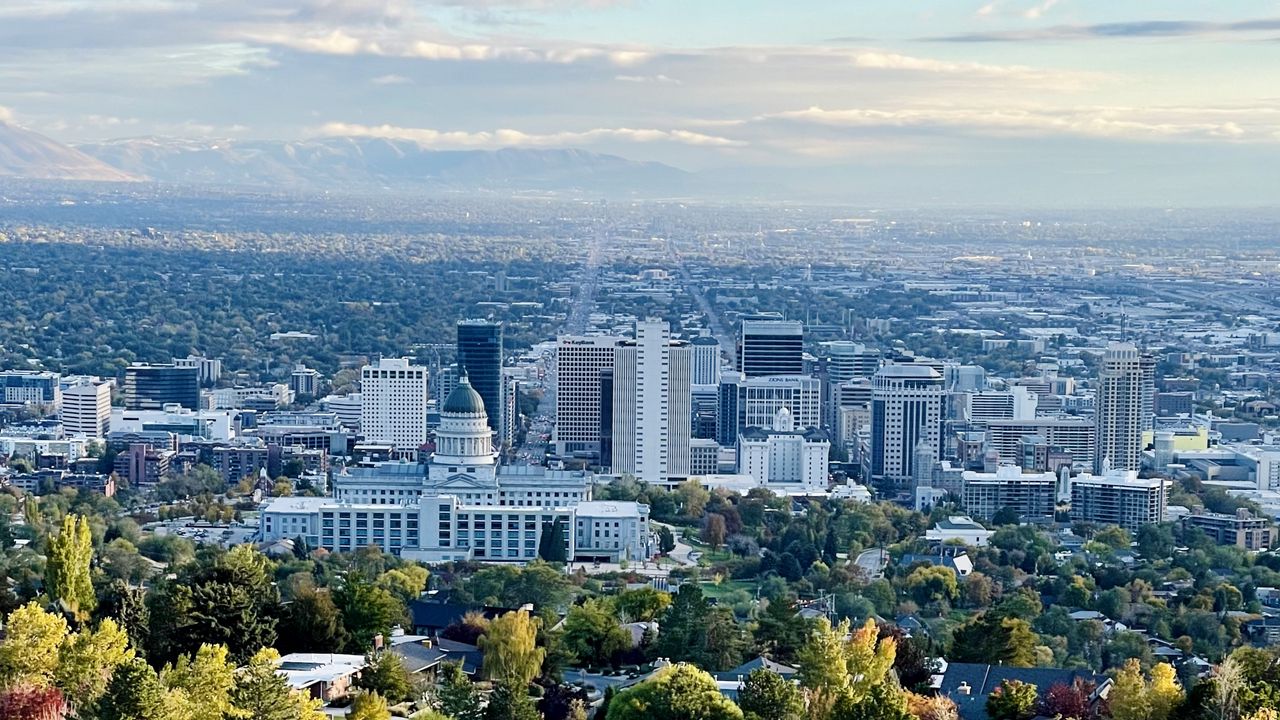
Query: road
<point x="727" y="343"/>
<point x="872" y="561"/>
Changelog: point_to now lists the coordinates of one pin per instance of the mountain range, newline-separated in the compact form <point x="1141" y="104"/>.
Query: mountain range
<point x="331" y="164"/>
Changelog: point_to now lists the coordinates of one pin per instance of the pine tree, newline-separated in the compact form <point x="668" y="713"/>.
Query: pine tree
<point x="67" y="569"/>
<point x="459" y="699"/>
<point x="134" y="693"/>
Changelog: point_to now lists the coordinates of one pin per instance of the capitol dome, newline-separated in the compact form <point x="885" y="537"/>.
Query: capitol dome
<point x="464" y="400"/>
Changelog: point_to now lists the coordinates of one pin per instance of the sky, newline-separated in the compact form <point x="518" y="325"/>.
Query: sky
<point x="916" y="91"/>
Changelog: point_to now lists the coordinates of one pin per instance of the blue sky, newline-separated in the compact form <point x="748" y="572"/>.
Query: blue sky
<point x="703" y="84"/>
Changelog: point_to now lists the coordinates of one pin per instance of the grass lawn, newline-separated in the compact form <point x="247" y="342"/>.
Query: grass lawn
<point x="712" y="590"/>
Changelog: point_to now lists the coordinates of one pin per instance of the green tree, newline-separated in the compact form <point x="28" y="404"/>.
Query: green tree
<point x="134" y="693"/>
<point x="67" y="569"/>
<point x="780" y="631"/>
<point x="883" y="702"/>
<point x="458" y="697"/>
<point x="86" y="660"/>
<point x="200" y="685"/>
<point x="367" y="611"/>
<point x="509" y="701"/>
<point x="666" y="540"/>
<point x="676" y="692"/>
<point x="931" y="584"/>
<point x="369" y="706"/>
<point x="511" y="651"/>
<point x="692" y="498"/>
<point x="641" y="605"/>
<point x="766" y="695"/>
<point x="386" y="676"/>
<point x="551" y="546"/>
<point x="1012" y="700"/>
<point x="225" y="599"/>
<point x="311" y="622"/>
<point x="593" y="634"/>
<point x="991" y="638"/>
<point x="29" y="653"/>
<point x="406" y="583"/>
<point x="840" y="663"/>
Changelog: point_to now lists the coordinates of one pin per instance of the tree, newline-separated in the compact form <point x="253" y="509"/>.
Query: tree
<point x="1132" y="697"/>
<point x="264" y="694"/>
<point x="225" y="599"/>
<point x="200" y="685"/>
<point x="369" y="706"/>
<point x="1006" y="515"/>
<point x="367" y="611"/>
<point x="683" y="625"/>
<point x="25" y="702"/>
<point x="692" y="498"/>
<point x="511" y="651"/>
<point x="127" y="605"/>
<point x="458" y="698"/>
<point x="1113" y="536"/>
<point x="931" y="584"/>
<point x="990" y="638"/>
<point x="406" y="582"/>
<point x="931" y="707"/>
<point x="1012" y="700"/>
<point x="713" y="530"/>
<point x="640" y="605"/>
<point x="311" y="622"/>
<point x="551" y="547"/>
<point x="386" y="676"/>
<point x="1069" y="702"/>
<point x="87" y="659"/>
<point x="766" y="695"/>
<point x="666" y="540"/>
<point x="780" y="631"/>
<point x="67" y="568"/>
<point x="29" y="653"/>
<point x="509" y="701"/>
<point x="833" y="669"/>
<point x="593" y="635"/>
<point x="134" y="693"/>
<point x="884" y="702"/>
<point x="676" y="692"/>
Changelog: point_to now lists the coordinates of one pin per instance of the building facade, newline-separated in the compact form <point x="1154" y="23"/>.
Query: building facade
<point x="580" y="361"/>
<point x="906" y="410"/>
<point x="651" y="404"/>
<point x="770" y="347"/>
<point x="86" y="407"/>
<point x="785" y="454"/>
<point x="1119" y="497"/>
<point x="151" y="387"/>
<point x="1032" y="496"/>
<point x="1120" y="404"/>
<point x="393" y="404"/>
<point x="480" y="360"/>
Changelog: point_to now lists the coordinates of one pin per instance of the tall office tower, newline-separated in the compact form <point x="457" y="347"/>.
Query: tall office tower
<point x="151" y="387"/>
<point x="706" y="360"/>
<point x="208" y="370"/>
<point x="770" y="347"/>
<point x="393" y="404"/>
<point x="1016" y="403"/>
<point x="480" y="360"/>
<point x="754" y="401"/>
<point x="1147" y="364"/>
<point x="86" y="407"/>
<point x="847" y="360"/>
<point x="579" y="363"/>
<point x="964" y="378"/>
<point x="651" y="394"/>
<point x="1118" y="408"/>
<point x="704" y="408"/>
<point x="906" y="408"/>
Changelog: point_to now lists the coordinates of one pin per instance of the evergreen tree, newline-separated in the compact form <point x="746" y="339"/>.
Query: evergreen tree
<point x="458" y="697"/>
<point x="264" y="694"/>
<point x="666" y="540"/>
<point x="766" y="695"/>
<point x="67" y="568"/>
<point x="134" y="693"/>
<point x="385" y="675"/>
<point x="509" y="701"/>
<point x="367" y="611"/>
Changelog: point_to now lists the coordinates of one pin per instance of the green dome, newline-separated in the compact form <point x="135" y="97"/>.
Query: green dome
<point x="464" y="400"/>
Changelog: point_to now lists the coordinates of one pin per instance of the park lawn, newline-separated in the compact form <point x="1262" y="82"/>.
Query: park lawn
<point x="711" y="590"/>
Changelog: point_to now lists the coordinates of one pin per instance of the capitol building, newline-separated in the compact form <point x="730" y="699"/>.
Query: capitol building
<point x="462" y="505"/>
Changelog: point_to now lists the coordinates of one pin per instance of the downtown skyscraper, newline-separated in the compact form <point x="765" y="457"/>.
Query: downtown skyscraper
<point x="651" y="404"/>
<point x="480" y="360"/>
<point x="1123" y="400"/>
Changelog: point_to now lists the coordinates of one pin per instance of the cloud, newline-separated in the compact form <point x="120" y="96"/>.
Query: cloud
<point x="1136" y="29"/>
<point x="1255" y="124"/>
<point x="1039" y="9"/>
<point x="661" y="79"/>
<point x="432" y="138"/>
<point x="6" y="115"/>
<point x="391" y="79"/>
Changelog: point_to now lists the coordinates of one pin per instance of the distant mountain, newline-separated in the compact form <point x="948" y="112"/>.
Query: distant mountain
<point x="343" y="163"/>
<point x="30" y="155"/>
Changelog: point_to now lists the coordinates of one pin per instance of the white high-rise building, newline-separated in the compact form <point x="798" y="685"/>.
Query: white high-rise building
<point x="706" y="360"/>
<point x="393" y="404"/>
<point x="1119" y="404"/>
<point x="847" y="360"/>
<point x="579" y="363"/>
<point x="1016" y="403"/>
<point x="86" y="407"/>
<point x="754" y="401"/>
<point x="906" y="408"/>
<point x="651" y="396"/>
<point x="208" y="370"/>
